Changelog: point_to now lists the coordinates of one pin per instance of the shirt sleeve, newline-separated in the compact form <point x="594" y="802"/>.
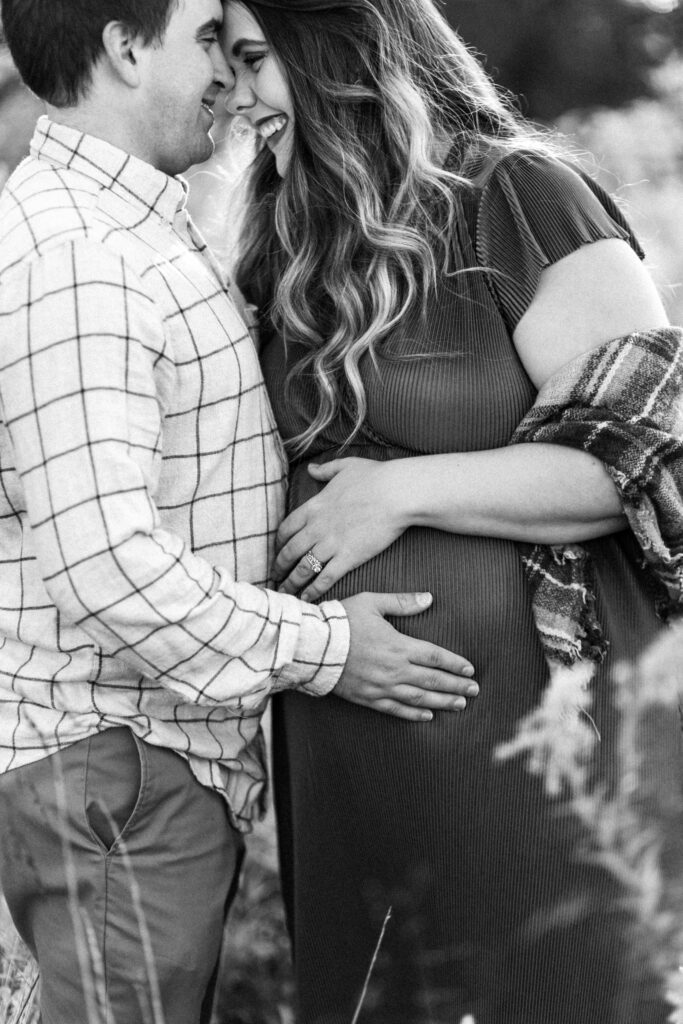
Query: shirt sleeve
<point x="82" y="353"/>
<point x="534" y="211"/>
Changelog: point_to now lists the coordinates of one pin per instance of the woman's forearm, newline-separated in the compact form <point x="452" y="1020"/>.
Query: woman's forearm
<point x="540" y="493"/>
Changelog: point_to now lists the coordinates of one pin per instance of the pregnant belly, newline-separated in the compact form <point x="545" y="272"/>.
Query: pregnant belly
<point x="480" y="607"/>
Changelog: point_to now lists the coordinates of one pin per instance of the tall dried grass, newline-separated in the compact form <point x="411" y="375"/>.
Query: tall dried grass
<point x="635" y="824"/>
<point x="18" y="976"/>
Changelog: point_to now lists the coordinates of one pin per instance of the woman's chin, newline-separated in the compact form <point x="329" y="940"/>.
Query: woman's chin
<point x="283" y="155"/>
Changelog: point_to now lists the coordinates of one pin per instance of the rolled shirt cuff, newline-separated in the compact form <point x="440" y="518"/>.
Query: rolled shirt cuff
<point x="321" y="650"/>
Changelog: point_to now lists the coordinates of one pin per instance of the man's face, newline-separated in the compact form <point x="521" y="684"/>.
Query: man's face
<point x="180" y="79"/>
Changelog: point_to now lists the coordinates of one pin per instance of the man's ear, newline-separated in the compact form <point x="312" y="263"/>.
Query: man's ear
<point x="120" y="48"/>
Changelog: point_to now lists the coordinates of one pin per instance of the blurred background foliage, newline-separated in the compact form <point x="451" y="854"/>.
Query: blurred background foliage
<point x="561" y="55"/>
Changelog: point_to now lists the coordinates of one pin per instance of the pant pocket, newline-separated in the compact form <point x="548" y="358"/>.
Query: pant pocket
<point x="113" y="780"/>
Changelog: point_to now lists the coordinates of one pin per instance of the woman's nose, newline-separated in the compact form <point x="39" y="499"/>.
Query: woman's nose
<point x="240" y="96"/>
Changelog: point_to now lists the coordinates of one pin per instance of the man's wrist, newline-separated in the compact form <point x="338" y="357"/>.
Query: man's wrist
<point x="321" y="650"/>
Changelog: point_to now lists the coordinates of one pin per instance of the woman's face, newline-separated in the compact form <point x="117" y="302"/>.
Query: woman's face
<point x="258" y="89"/>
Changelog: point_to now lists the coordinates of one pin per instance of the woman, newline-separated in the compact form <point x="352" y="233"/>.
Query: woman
<point x="424" y="263"/>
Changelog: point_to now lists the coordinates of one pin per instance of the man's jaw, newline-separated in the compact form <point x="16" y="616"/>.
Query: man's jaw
<point x="207" y="105"/>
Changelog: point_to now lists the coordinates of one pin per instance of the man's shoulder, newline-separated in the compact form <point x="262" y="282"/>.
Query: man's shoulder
<point x="43" y="208"/>
<point x="40" y="207"/>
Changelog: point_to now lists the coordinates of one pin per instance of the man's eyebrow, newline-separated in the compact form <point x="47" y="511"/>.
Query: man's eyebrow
<point x="213" y="25"/>
<point x="239" y="45"/>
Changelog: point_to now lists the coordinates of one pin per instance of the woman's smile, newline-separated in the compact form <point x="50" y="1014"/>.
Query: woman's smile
<point x="260" y="89"/>
<point x="272" y="128"/>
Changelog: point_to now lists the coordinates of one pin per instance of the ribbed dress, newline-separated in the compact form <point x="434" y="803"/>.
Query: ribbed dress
<point x="495" y="910"/>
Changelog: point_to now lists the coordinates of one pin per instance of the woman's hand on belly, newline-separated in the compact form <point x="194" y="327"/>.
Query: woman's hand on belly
<point x="354" y="517"/>
<point x="535" y="493"/>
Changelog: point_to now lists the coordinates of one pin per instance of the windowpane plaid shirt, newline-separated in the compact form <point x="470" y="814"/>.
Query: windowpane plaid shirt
<point x="141" y="480"/>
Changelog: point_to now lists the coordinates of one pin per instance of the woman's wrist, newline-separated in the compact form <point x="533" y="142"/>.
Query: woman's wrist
<point x="411" y="490"/>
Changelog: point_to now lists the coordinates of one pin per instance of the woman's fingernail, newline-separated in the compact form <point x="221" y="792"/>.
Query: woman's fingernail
<point x="472" y="691"/>
<point x="424" y="600"/>
<point x="459" y="704"/>
<point x="426" y="716"/>
<point x="468" y="670"/>
<point x="305" y="596"/>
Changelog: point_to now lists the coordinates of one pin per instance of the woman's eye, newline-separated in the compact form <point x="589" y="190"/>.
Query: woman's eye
<point x="254" y="60"/>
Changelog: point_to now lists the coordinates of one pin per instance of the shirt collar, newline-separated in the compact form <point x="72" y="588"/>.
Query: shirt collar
<point x="112" y="168"/>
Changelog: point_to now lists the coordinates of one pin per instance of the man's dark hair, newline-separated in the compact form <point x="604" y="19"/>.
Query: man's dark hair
<point x="56" y="43"/>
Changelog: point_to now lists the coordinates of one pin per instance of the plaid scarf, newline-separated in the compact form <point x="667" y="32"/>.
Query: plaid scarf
<point x="623" y="403"/>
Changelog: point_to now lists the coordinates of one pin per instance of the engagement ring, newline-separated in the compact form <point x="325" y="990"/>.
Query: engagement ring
<point x="315" y="563"/>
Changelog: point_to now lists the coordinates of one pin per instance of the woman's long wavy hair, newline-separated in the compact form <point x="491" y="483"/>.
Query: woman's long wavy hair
<point x="358" y="230"/>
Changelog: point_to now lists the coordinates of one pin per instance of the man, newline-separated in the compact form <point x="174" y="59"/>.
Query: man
<point x="142" y="484"/>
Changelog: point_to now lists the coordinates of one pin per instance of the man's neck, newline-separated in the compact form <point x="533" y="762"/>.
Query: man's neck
<point x="91" y="119"/>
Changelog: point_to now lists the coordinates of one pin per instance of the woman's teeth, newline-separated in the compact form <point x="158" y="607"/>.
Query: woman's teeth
<point x="270" y="127"/>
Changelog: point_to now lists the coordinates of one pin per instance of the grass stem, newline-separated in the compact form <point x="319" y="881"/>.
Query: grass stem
<point x="371" y="968"/>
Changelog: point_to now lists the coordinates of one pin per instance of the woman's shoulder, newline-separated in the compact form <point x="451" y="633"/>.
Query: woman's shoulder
<point x="549" y="196"/>
<point x="520" y="163"/>
<point x="535" y="207"/>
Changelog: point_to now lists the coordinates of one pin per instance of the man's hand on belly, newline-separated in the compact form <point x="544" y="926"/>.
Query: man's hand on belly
<point x="397" y="674"/>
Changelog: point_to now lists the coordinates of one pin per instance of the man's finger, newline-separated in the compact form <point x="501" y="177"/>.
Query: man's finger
<point x="447" y="684"/>
<point x="429" y="656"/>
<point x="401" y="604"/>
<point x="433" y="699"/>
<point x="410" y="714"/>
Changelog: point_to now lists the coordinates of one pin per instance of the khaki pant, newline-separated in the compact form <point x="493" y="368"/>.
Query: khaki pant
<point x="118" y="868"/>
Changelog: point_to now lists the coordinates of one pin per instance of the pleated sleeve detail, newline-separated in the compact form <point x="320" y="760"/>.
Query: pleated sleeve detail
<point x="534" y="211"/>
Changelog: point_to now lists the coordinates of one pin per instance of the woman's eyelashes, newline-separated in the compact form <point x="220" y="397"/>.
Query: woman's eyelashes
<point x="254" y="60"/>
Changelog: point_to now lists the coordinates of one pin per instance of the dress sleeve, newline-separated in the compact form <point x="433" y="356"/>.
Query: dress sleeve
<point x="534" y="211"/>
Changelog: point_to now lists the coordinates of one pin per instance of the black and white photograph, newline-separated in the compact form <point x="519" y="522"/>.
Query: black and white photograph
<point x="341" y="512"/>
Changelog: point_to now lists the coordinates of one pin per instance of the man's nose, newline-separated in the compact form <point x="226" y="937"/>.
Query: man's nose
<point x="221" y="72"/>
